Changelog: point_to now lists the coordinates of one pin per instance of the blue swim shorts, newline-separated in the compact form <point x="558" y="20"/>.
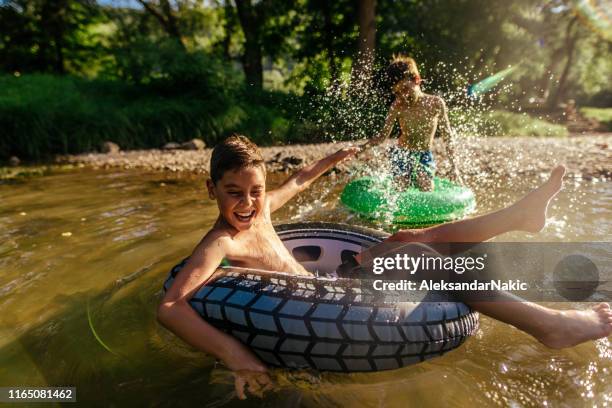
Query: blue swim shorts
<point x="411" y="164"/>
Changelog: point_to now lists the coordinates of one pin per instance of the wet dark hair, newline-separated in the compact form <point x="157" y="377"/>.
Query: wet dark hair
<point x="401" y="68"/>
<point x="234" y="153"/>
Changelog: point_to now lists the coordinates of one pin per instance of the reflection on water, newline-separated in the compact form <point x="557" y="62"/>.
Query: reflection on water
<point x="106" y="240"/>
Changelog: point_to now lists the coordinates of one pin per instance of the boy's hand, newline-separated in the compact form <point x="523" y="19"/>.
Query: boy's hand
<point x="249" y="371"/>
<point x="256" y="382"/>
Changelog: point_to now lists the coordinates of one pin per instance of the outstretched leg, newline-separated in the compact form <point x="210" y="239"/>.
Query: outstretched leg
<point x="527" y="214"/>
<point x="553" y="328"/>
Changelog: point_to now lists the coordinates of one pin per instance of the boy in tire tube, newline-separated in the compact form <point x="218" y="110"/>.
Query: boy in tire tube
<point x="243" y="234"/>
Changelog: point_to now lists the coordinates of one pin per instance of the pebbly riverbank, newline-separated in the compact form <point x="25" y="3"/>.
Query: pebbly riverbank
<point x="586" y="156"/>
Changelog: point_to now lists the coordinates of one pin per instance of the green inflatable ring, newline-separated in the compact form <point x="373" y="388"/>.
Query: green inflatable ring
<point x="376" y="198"/>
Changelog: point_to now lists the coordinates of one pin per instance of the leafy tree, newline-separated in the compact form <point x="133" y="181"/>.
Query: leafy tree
<point x="163" y="12"/>
<point x="366" y="44"/>
<point x="325" y="38"/>
<point x="47" y="35"/>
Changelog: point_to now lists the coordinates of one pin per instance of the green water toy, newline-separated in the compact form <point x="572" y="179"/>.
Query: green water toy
<point x="378" y="198"/>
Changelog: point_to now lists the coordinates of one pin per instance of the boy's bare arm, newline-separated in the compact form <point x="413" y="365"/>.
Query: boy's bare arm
<point x="387" y="127"/>
<point x="177" y="315"/>
<point x="301" y="180"/>
<point x="449" y="140"/>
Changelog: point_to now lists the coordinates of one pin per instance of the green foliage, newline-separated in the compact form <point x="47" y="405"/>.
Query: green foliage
<point x="42" y="115"/>
<point x="150" y="83"/>
<point x="48" y="35"/>
<point x="326" y="35"/>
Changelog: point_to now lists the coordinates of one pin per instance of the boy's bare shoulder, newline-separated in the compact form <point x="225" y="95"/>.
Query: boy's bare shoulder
<point x="434" y="100"/>
<point x="217" y="236"/>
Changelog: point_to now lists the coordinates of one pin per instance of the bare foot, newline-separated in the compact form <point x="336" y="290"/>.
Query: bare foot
<point x="530" y="211"/>
<point x="572" y="327"/>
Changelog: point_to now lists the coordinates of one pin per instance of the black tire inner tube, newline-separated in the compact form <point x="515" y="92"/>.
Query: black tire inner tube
<point x="328" y="324"/>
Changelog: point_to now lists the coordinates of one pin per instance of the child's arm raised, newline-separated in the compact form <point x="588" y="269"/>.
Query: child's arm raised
<point x="449" y="140"/>
<point x="178" y="316"/>
<point x="387" y="127"/>
<point x="301" y="180"/>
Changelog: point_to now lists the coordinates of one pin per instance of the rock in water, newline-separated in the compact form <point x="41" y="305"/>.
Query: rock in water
<point x="109" y="147"/>
<point x="193" y="144"/>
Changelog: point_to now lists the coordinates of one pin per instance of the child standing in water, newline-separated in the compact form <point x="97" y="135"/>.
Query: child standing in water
<point x="419" y="115"/>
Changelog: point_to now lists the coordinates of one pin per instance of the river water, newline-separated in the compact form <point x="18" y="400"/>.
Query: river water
<point x="83" y="254"/>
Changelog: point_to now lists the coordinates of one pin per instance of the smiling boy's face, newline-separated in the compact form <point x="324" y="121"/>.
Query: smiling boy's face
<point x="240" y="195"/>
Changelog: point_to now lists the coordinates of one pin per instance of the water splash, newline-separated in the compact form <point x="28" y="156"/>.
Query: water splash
<point x="354" y="110"/>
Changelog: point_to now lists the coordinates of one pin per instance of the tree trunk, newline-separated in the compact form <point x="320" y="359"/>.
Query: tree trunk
<point x="59" y="54"/>
<point x="362" y="69"/>
<point x="571" y="37"/>
<point x="228" y="28"/>
<point x="53" y="26"/>
<point x="545" y="81"/>
<point x="172" y="24"/>
<point x="329" y="43"/>
<point x="251" y="59"/>
<point x="543" y="33"/>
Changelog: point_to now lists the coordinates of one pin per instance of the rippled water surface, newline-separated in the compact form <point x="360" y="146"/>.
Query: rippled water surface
<point x="83" y="255"/>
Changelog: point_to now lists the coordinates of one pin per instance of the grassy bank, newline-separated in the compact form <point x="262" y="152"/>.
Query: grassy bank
<point x="44" y="115"/>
